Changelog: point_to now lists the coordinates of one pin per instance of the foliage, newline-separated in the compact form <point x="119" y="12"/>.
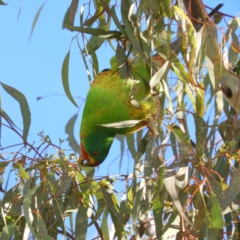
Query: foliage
<point x="185" y="179"/>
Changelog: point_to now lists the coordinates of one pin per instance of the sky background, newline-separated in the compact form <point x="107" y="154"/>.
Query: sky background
<point x="34" y="68"/>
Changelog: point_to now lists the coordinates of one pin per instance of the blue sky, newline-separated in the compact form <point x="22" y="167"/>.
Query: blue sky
<point x="34" y="68"/>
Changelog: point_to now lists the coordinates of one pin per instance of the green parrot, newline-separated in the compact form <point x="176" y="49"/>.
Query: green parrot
<point x="115" y="105"/>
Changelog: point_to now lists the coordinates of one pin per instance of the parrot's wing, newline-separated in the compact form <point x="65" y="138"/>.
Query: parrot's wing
<point x="123" y="124"/>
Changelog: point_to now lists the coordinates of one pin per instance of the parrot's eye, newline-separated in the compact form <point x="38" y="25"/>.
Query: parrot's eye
<point x="95" y="153"/>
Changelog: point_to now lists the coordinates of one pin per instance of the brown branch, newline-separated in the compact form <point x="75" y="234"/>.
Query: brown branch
<point x="222" y="13"/>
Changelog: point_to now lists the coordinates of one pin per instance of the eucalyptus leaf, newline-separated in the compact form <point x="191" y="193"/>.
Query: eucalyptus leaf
<point x="65" y="80"/>
<point x="25" y="111"/>
<point x="69" y="130"/>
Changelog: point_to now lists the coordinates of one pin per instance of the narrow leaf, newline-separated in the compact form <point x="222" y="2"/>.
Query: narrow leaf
<point x="65" y="80"/>
<point x="170" y="185"/>
<point x="215" y="214"/>
<point x="231" y="192"/>
<point x="158" y="212"/>
<point x="26" y="114"/>
<point x="201" y="135"/>
<point x="136" y="210"/>
<point x="22" y="172"/>
<point x="26" y="209"/>
<point x="116" y="21"/>
<point x="5" y="115"/>
<point x="125" y="6"/>
<point x="69" y="130"/>
<point x="105" y="226"/>
<point x="81" y="223"/>
<point x="8" y="231"/>
<point x="35" y="20"/>
<point x="101" y="206"/>
<point x="2" y="3"/>
<point x="159" y="75"/>
<point x="70" y="14"/>
<point x="97" y="32"/>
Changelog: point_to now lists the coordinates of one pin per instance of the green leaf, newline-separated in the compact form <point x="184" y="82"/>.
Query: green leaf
<point x="70" y="14"/>
<point x="159" y="75"/>
<point x="136" y="209"/>
<point x="152" y="8"/>
<point x="8" y="231"/>
<point x="215" y="213"/>
<point x="95" y="63"/>
<point x="158" y="212"/>
<point x="173" y="216"/>
<point x="2" y="3"/>
<point x="110" y="200"/>
<point x="170" y="184"/>
<point x="148" y="171"/>
<point x="221" y="167"/>
<point x="200" y="101"/>
<point x="231" y="192"/>
<point x="5" y="115"/>
<point x="238" y="68"/>
<point x="101" y="206"/>
<point x="233" y="53"/>
<point x="190" y="29"/>
<point x="116" y="21"/>
<point x="26" y="114"/>
<point x="138" y="44"/>
<point x="123" y="67"/>
<point x="100" y="7"/>
<point x="94" y="43"/>
<point x="113" y="208"/>
<point x="3" y="165"/>
<point x="97" y="32"/>
<point x="69" y="130"/>
<point x="26" y="209"/>
<point x="105" y="226"/>
<point x="81" y="223"/>
<point x="183" y="141"/>
<point x="160" y="182"/>
<point x="201" y="135"/>
<point x="121" y="138"/>
<point x="179" y="69"/>
<point x="65" y="80"/>
<point x="131" y="144"/>
<point x="42" y="230"/>
<point x="124" y="212"/>
<point x="35" y="20"/>
<point x="22" y="172"/>
<point x="172" y="228"/>
<point x="8" y="197"/>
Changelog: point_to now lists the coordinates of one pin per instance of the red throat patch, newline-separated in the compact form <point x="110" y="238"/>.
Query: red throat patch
<point x="84" y="153"/>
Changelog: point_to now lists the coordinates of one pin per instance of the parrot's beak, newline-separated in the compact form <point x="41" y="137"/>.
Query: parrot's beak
<point x="84" y="162"/>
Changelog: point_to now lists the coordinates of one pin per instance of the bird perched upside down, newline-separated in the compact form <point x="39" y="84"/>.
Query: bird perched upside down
<point x="115" y="105"/>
